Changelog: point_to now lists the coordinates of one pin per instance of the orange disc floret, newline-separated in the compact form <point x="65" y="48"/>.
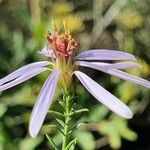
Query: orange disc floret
<point x="62" y="44"/>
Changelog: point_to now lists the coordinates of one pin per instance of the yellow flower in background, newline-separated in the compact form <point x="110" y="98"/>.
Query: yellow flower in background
<point x="124" y="91"/>
<point x="60" y="8"/>
<point x="73" y="24"/>
<point x="63" y="12"/>
<point x="144" y="70"/>
<point x="145" y="67"/>
<point x="124" y="88"/>
<point x="115" y="129"/>
<point x="130" y="19"/>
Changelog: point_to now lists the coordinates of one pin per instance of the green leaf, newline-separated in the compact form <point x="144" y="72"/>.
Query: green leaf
<point x="85" y="140"/>
<point x="57" y="138"/>
<point x="52" y="126"/>
<point x="72" y="147"/>
<point x="107" y="127"/>
<point x="3" y="109"/>
<point x="79" y="111"/>
<point x="80" y="124"/>
<point x="29" y="143"/>
<point x="98" y="113"/>
<point x="51" y="141"/>
<point x="115" y="140"/>
<point x="128" y="134"/>
<point x="72" y="143"/>
<point x="56" y="114"/>
<point x="60" y="122"/>
<point x="70" y="132"/>
<point x="62" y="104"/>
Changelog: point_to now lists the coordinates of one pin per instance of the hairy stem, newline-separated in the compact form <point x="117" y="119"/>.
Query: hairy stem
<point x="67" y="112"/>
<point x="65" y="121"/>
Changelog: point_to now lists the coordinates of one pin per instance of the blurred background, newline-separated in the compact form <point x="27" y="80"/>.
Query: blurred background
<point x="109" y="24"/>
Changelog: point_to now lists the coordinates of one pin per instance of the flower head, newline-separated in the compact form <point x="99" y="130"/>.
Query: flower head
<point x="62" y="44"/>
<point x="61" y="49"/>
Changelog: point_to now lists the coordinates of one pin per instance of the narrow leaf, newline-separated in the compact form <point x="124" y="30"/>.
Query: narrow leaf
<point x="51" y="126"/>
<point x="80" y="124"/>
<point x="79" y="111"/>
<point x="56" y="114"/>
<point x="51" y="141"/>
<point x="62" y="104"/>
<point x="54" y="126"/>
<point x="60" y="122"/>
<point x="73" y="142"/>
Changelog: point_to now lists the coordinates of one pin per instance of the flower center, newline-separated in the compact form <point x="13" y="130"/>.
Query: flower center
<point x="62" y="44"/>
<point x="64" y="48"/>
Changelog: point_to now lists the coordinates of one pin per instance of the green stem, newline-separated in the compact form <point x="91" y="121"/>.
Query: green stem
<point x="64" y="121"/>
<point x="67" y="112"/>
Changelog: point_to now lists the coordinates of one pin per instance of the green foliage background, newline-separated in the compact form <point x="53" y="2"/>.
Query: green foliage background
<point x="111" y="24"/>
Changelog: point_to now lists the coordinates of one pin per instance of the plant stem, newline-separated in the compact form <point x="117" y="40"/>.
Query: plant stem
<point x="67" y="101"/>
<point x="65" y="121"/>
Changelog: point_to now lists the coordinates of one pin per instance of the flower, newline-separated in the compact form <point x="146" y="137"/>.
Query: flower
<point x="62" y="12"/>
<point x="131" y="19"/>
<point x="62" y="49"/>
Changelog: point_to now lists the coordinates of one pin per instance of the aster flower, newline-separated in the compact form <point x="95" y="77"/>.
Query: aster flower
<point x="61" y="49"/>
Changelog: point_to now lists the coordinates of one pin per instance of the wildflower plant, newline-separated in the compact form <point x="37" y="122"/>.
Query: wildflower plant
<point x="64" y="60"/>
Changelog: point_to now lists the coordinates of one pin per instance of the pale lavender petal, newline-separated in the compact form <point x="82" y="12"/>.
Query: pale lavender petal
<point x="23" y="70"/>
<point x="102" y="65"/>
<point x="102" y="54"/>
<point x="129" y="77"/>
<point x="47" y="53"/>
<point x="112" y="69"/>
<point x="43" y="103"/>
<point x="104" y="96"/>
<point x="26" y="76"/>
